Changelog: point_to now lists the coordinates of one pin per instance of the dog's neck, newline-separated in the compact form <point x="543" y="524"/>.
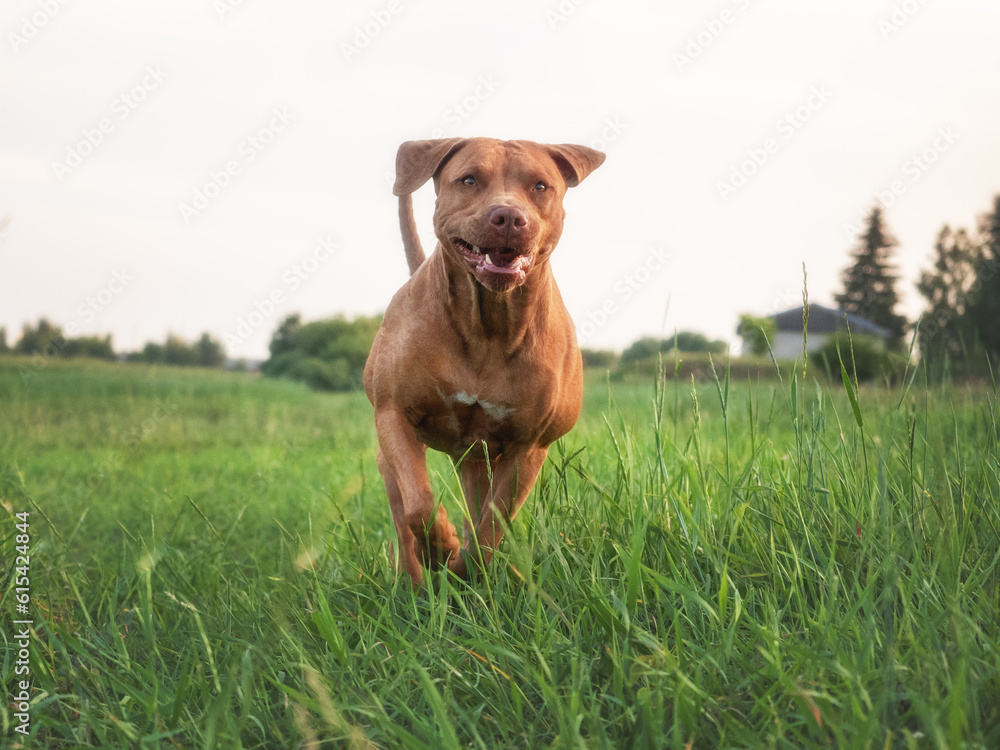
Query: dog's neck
<point x="508" y="318"/>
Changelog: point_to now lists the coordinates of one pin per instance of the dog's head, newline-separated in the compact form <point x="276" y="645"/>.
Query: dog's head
<point x="499" y="208"/>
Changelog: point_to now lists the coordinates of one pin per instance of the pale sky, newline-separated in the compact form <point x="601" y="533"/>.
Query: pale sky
<point x="244" y="151"/>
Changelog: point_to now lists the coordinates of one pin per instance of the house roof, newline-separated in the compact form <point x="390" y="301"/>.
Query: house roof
<point x="827" y="320"/>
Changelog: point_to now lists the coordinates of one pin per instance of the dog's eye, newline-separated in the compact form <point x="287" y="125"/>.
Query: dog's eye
<point x="469" y="180"/>
<point x="540" y="186"/>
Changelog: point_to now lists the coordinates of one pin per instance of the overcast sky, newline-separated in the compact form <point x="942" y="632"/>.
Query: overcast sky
<point x="186" y="166"/>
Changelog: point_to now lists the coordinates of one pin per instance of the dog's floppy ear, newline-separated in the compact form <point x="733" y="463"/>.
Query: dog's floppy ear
<point x="418" y="161"/>
<point x="575" y="162"/>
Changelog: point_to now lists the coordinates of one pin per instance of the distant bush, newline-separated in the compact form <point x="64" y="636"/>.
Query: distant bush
<point x="328" y="355"/>
<point x="698" y="365"/>
<point x="684" y="341"/>
<point x="603" y="358"/>
<point x="48" y="340"/>
<point x="205" y="352"/>
<point x="644" y="348"/>
<point x="864" y="357"/>
<point x="90" y="346"/>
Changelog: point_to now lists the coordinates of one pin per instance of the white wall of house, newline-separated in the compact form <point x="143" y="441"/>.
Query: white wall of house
<point x="788" y="344"/>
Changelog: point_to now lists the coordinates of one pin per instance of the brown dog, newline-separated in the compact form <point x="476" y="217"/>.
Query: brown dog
<point x="476" y="356"/>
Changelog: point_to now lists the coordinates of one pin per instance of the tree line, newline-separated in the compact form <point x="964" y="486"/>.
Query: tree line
<point x="959" y="334"/>
<point x="960" y="331"/>
<point x="961" y="328"/>
<point x="46" y="339"/>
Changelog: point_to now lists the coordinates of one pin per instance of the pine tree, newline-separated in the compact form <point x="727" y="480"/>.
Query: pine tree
<point x="869" y="284"/>
<point x="983" y="312"/>
<point x="944" y="328"/>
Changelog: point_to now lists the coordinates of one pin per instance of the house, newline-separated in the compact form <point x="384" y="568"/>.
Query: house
<point x="823" y="323"/>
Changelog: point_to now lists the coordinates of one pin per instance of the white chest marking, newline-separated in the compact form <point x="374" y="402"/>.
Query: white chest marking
<point x="499" y="412"/>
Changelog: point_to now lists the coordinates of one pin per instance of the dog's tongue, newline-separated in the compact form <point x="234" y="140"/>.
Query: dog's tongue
<point x="502" y="257"/>
<point x="507" y="263"/>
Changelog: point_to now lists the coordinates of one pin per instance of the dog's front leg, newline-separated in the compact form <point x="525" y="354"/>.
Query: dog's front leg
<point x="494" y="494"/>
<point x="424" y="537"/>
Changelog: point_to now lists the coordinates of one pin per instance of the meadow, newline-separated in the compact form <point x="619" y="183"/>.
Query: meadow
<point x="755" y="563"/>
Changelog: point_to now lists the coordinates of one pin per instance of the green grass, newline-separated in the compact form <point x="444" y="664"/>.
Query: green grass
<point x="719" y="565"/>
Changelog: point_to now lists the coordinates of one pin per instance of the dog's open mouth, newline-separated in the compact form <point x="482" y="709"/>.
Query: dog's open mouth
<point x="494" y="257"/>
<point x="497" y="268"/>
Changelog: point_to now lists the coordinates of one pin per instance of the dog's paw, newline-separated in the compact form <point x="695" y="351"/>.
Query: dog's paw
<point x="443" y="537"/>
<point x="459" y="564"/>
<point x="436" y="543"/>
<point x="406" y="561"/>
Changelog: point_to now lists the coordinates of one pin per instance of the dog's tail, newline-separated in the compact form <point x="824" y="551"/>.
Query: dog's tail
<point x="411" y="240"/>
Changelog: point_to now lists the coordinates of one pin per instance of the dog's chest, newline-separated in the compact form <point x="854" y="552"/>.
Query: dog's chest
<point x="495" y="411"/>
<point x="462" y="418"/>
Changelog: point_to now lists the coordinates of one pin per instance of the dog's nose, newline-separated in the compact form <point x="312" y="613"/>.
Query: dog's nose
<point x="507" y="219"/>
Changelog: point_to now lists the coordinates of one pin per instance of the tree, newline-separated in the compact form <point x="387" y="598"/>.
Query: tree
<point x="210" y="352"/>
<point x="983" y="309"/>
<point x="284" y="338"/>
<point x="177" y="352"/>
<point x="869" y="283"/>
<point x="759" y="332"/>
<point x="45" y="338"/>
<point x="329" y="355"/>
<point x="4" y="348"/>
<point x="944" y="328"/>
<point x="152" y="353"/>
